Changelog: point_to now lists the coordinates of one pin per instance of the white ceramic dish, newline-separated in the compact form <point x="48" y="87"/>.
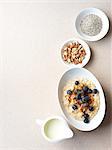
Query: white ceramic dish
<point x="105" y="24"/>
<point x="64" y="131"/>
<point x="87" y="57"/>
<point x="71" y="75"/>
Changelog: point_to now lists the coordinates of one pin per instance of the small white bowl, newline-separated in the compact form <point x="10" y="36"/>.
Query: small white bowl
<point x="95" y="11"/>
<point x="87" y="49"/>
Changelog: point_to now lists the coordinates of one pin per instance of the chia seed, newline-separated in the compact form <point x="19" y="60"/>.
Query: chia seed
<point x="91" y="25"/>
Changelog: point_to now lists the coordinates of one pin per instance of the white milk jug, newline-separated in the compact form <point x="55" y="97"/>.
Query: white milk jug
<point x="55" y="129"/>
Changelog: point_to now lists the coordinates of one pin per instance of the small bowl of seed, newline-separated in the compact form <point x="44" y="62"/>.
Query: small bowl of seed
<point x="75" y="53"/>
<point x="91" y="24"/>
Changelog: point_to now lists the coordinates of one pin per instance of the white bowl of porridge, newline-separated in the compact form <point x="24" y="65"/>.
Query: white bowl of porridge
<point x="81" y="99"/>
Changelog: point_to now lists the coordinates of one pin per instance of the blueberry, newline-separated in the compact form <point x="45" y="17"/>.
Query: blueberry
<point x="89" y="91"/>
<point x="85" y="89"/>
<point x="85" y="99"/>
<point x="86" y="120"/>
<point x="76" y="82"/>
<point x="78" y="96"/>
<point x="91" y="108"/>
<point x="74" y="107"/>
<point x="95" y="91"/>
<point x="86" y="115"/>
<point x="69" y="92"/>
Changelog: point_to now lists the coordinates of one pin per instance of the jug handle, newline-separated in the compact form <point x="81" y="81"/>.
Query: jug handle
<point x="39" y="122"/>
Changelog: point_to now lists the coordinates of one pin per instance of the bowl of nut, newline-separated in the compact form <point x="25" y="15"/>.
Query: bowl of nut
<point x="75" y="53"/>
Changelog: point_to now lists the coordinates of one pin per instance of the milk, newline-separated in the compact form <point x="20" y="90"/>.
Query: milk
<point x="54" y="129"/>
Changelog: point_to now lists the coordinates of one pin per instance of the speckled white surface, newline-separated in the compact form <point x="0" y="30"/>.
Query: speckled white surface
<point x="31" y="34"/>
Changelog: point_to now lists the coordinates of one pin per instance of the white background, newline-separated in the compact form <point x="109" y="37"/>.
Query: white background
<point x="31" y="34"/>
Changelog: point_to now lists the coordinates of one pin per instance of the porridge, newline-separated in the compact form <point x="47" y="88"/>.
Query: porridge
<point x="81" y="99"/>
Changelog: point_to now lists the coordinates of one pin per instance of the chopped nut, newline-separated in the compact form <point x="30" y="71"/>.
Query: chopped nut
<point x="71" y="45"/>
<point x="78" y="55"/>
<point x="68" y="60"/>
<point x="72" y="59"/>
<point x="65" y="53"/>
<point x="74" y="49"/>
<point x="64" y="57"/>
<point x="80" y="46"/>
<point x="69" y="50"/>
<point x="65" y="48"/>
<point x="73" y="53"/>
<point x="80" y="59"/>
